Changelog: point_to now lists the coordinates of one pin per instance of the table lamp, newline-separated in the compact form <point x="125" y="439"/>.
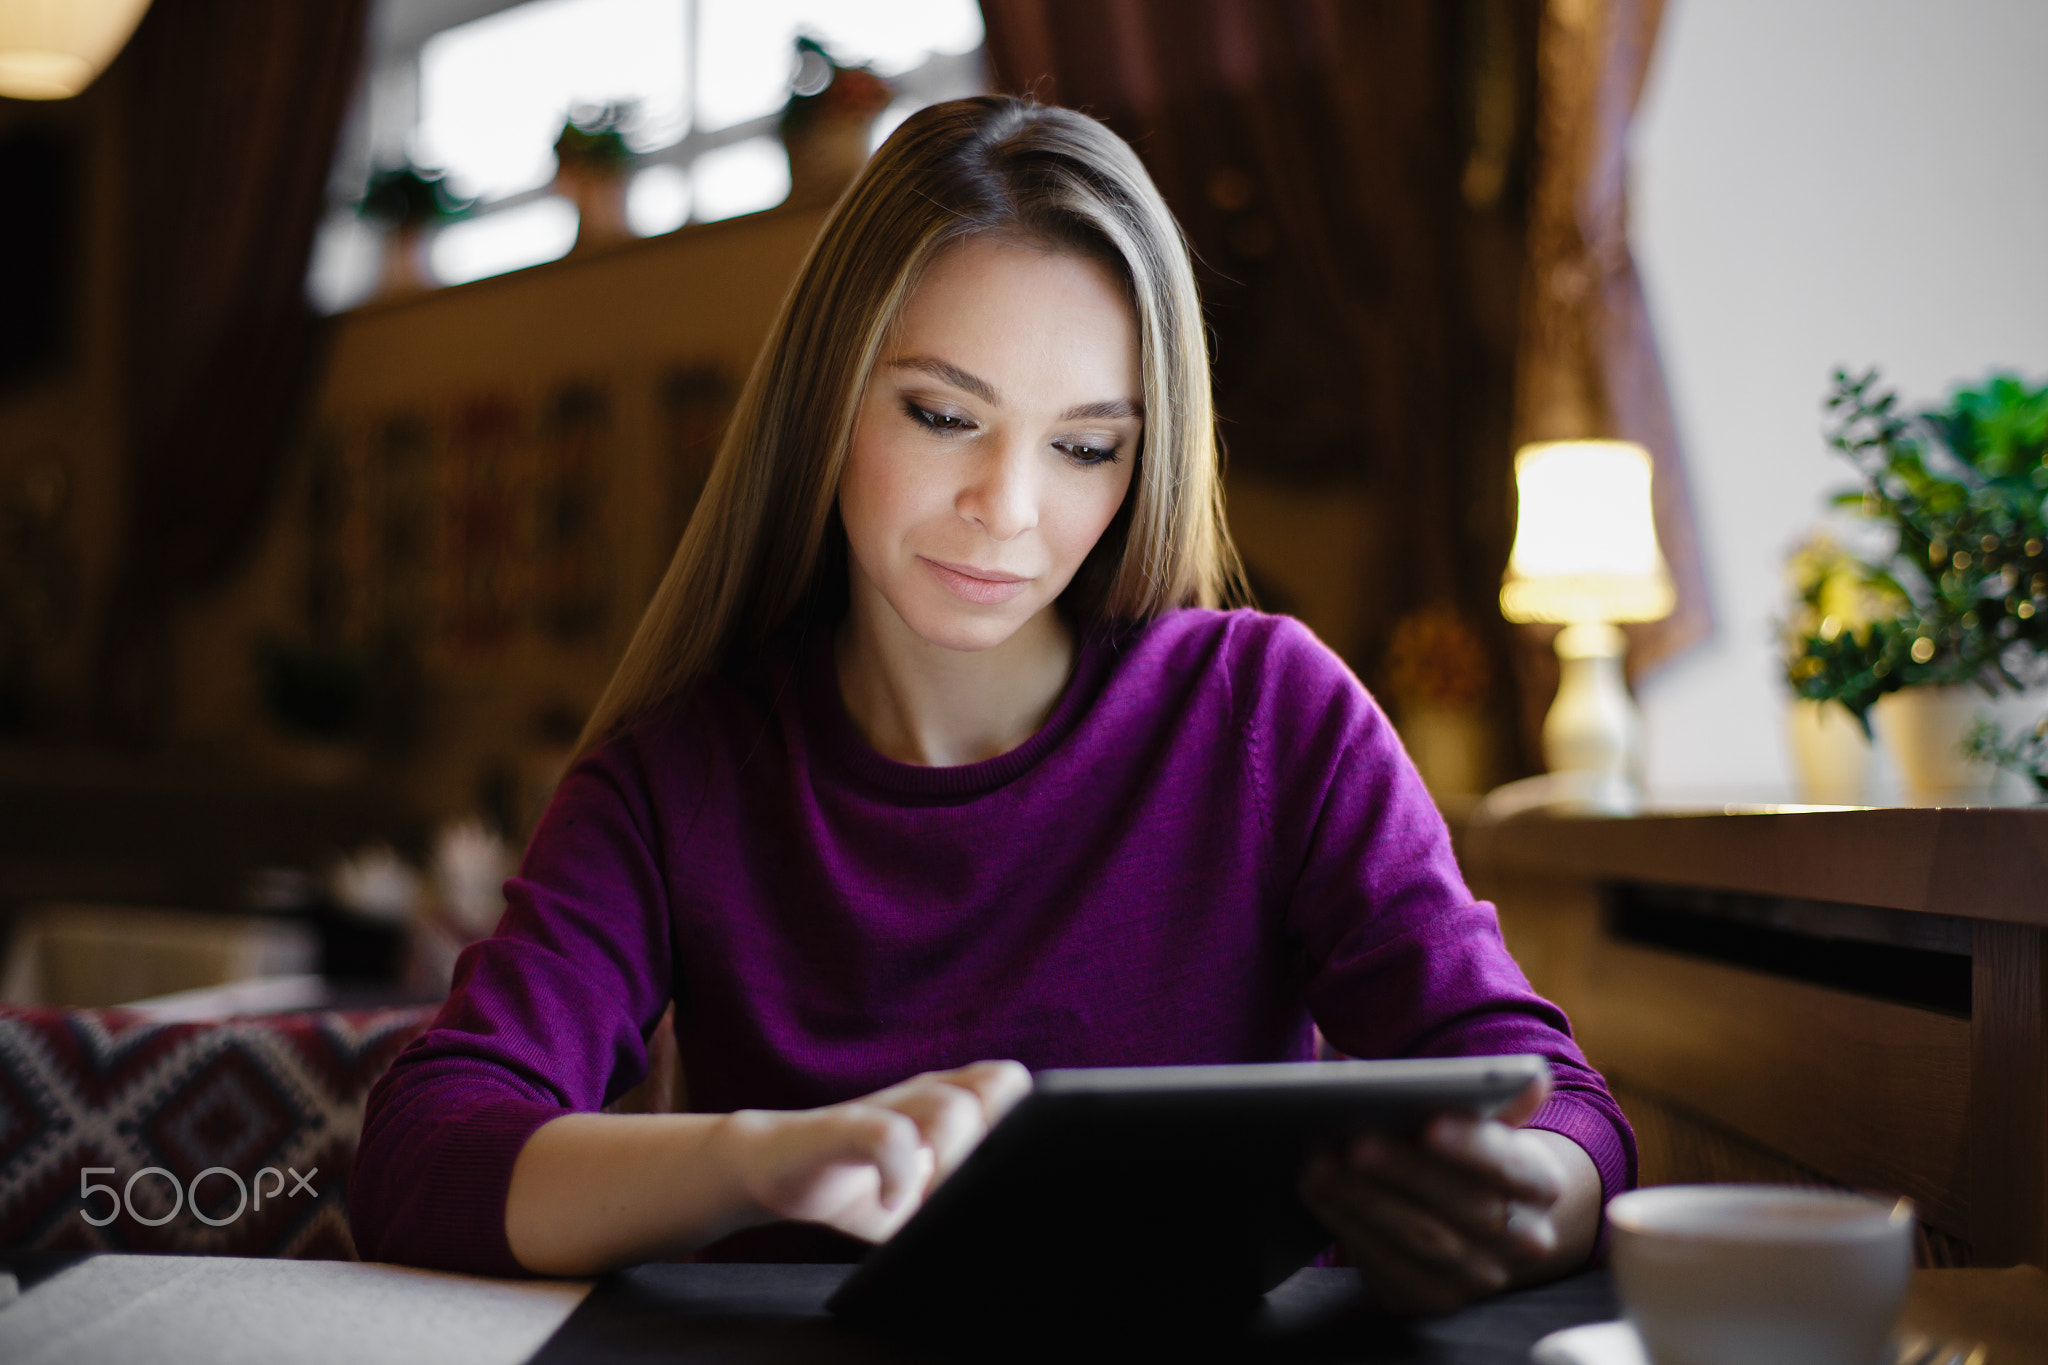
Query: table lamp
<point x="52" y="49"/>
<point x="1586" y="557"/>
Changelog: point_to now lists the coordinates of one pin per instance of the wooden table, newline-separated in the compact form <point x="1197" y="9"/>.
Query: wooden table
<point x="111" y="1309"/>
<point x="108" y="1309"/>
<point x="1777" y="993"/>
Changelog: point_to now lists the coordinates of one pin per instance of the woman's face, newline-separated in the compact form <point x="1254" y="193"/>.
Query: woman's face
<point x="994" y="442"/>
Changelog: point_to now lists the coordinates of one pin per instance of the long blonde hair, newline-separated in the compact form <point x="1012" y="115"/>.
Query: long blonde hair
<point x="765" y="540"/>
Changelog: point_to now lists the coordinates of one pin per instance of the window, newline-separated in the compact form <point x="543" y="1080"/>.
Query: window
<point x="480" y="89"/>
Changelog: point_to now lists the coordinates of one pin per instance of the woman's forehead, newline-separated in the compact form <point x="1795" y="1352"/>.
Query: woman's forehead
<point x="994" y="314"/>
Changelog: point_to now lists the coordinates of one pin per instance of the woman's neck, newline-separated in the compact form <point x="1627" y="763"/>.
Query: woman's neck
<point x="921" y="703"/>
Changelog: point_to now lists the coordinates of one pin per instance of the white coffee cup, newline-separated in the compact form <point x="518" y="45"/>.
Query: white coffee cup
<point x="1761" y="1274"/>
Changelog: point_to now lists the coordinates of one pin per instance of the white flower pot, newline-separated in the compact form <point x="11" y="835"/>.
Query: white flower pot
<point x="1923" y="728"/>
<point x="404" y="268"/>
<point x="1830" y="753"/>
<point x="599" y="193"/>
<point x="825" y="157"/>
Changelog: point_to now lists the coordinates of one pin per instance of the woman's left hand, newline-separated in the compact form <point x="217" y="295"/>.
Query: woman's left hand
<point x="1463" y="1209"/>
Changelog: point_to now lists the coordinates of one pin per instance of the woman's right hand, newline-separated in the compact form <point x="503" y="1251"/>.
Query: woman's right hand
<point x="863" y="1167"/>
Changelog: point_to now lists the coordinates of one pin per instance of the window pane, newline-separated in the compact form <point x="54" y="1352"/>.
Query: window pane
<point x="743" y="178"/>
<point x="894" y="34"/>
<point x="507" y="240"/>
<point x="493" y="93"/>
<point x="658" y="200"/>
<point x="347" y="253"/>
<point x="891" y="118"/>
<point x="749" y="44"/>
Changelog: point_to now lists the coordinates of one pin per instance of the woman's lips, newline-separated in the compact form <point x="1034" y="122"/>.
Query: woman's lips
<point x="968" y="583"/>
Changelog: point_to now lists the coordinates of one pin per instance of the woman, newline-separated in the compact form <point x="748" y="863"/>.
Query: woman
<point x="932" y="750"/>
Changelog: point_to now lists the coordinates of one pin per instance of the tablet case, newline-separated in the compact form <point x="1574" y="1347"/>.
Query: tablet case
<point x="1168" y="1190"/>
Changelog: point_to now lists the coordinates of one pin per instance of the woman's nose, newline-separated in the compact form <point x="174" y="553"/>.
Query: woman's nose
<point x="1002" y="497"/>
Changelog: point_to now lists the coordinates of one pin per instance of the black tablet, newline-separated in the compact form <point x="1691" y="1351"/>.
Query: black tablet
<point x="1168" y="1188"/>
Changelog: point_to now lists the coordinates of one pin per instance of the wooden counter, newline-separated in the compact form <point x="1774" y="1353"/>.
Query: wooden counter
<point x="1848" y="996"/>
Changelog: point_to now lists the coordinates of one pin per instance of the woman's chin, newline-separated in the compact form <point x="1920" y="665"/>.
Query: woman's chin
<point x="965" y="627"/>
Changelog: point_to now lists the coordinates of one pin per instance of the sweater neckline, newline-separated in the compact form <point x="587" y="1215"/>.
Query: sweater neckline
<point x="850" y="750"/>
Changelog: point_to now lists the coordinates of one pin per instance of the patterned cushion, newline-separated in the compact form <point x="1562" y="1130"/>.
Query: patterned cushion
<point x="265" y="1109"/>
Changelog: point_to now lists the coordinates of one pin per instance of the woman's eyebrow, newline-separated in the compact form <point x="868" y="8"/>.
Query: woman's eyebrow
<point x="951" y="374"/>
<point x="1108" y="410"/>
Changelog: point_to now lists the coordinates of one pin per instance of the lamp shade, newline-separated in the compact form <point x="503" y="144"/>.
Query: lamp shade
<point x="1585" y="540"/>
<point x="52" y="49"/>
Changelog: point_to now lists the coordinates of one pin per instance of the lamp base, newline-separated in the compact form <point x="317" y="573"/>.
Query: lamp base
<point x="1593" y="730"/>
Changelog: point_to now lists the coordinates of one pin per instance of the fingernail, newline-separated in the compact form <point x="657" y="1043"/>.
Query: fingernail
<point x="1533" y="1230"/>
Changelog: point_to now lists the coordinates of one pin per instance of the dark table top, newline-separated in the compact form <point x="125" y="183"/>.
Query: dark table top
<point x="754" y="1314"/>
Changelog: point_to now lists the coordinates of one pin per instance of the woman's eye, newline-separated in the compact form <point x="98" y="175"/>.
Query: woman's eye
<point x="1086" y="454"/>
<point x="936" y="421"/>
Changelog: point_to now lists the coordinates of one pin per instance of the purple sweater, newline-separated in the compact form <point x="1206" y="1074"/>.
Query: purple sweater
<point x="1214" y="844"/>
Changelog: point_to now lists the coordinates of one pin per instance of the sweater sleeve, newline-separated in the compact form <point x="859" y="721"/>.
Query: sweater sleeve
<point x="550" y="1015"/>
<point x="1399" y="959"/>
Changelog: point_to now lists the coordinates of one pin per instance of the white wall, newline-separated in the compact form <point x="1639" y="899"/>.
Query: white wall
<point x="1820" y="182"/>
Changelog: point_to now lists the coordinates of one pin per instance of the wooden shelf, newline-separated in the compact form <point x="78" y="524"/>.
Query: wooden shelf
<point x="1751" y="1074"/>
<point x="1978" y="862"/>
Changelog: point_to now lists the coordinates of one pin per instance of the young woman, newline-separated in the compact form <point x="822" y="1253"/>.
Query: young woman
<point x="933" y="760"/>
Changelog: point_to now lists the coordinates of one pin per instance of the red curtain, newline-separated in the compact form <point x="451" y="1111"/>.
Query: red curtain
<point x="1588" y="363"/>
<point x="1365" y="182"/>
<point x="1351" y="176"/>
<point x="229" y="114"/>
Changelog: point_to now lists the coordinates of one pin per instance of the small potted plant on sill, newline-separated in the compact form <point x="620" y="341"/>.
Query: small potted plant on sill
<point x="593" y="167"/>
<point x="1959" y="492"/>
<point x="408" y="200"/>
<point x="827" y="123"/>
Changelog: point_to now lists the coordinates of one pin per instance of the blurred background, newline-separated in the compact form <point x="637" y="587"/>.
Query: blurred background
<point x="360" y="365"/>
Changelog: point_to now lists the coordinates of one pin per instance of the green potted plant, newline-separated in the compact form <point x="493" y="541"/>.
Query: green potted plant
<point x="408" y="200"/>
<point x="593" y="166"/>
<point x="826" y="125"/>
<point x="1958" y="491"/>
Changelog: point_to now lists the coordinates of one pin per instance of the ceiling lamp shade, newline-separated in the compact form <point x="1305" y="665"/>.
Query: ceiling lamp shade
<point x="1585" y="540"/>
<point x="52" y="49"/>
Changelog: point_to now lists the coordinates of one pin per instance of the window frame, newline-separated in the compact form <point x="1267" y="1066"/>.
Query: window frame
<point x="387" y="109"/>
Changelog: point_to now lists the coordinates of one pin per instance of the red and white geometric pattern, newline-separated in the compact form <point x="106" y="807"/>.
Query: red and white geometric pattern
<point x="281" y="1094"/>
